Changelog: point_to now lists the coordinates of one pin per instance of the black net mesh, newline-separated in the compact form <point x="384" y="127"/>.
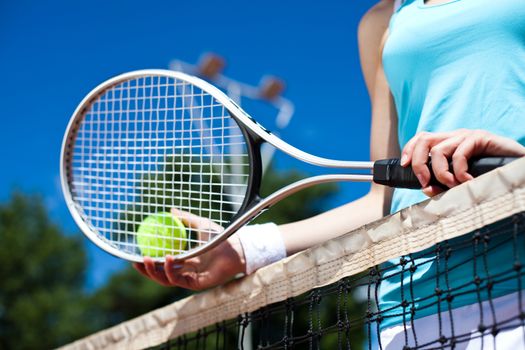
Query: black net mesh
<point x="480" y="272"/>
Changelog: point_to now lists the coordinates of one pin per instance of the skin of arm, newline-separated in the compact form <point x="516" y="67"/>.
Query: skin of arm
<point x="458" y="145"/>
<point x="375" y="204"/>
<point x="227" y="260"/>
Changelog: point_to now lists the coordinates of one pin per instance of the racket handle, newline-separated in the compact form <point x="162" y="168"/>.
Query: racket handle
<point x="389" y="172"/>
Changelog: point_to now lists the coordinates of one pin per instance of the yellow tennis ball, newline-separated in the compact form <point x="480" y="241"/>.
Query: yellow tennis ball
<point x="161" y="234"/>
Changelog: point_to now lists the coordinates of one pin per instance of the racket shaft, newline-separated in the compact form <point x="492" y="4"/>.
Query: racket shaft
<point x="389" y="172"/>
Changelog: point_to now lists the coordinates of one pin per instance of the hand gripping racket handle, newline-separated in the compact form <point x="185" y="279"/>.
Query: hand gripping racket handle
<point x="389" y="172"/>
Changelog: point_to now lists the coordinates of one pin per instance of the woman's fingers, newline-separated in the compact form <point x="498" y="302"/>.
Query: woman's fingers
<point x="212" y="268"/>
<point x="417" y="153"/>
<point x="460" y="158"/>
<point x="195" y="221"/>
<point x="440" y="155"/>
<point x="458" y="146"/>
<point x="419" y="160"/>
<point x="205" y="227"/>
<point x="177" y="273"/>
<point x="195" y="273"/>
<point x="173" y="273"/>
<point x="155" y="272"/>
<point x="408" y="150"/>
<point x="431" y="191"/>
<point x="140" y="269"/>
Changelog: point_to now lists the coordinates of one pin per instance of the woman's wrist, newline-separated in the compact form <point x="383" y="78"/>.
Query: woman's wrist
<point x="235" y="244"/>
<point x="261" y="245"/>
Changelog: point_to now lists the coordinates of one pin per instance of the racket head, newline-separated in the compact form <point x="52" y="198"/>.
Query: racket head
<point x="148" y="141"/>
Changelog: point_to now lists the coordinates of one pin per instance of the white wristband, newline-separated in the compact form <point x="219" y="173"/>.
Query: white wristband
<point x="262" y="245"/>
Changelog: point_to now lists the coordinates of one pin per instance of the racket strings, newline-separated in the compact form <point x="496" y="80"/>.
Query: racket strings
<point x="151" y="144"/>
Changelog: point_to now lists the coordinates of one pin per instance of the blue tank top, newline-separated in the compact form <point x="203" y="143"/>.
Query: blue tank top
<point x="455" y="65"/>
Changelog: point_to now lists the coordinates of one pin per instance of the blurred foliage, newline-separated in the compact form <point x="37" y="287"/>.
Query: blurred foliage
<point x="43" y="303"/>
<point x="42" y="276"/>
<point x="275" y="326"/>
<point x="181" y="181"/>
<point x="178" y="183"/>
<point x="299" y="206"/>
<point x="127" y="295"/>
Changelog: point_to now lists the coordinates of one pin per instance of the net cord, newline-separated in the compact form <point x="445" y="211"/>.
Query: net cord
<point x="480" y="202"/>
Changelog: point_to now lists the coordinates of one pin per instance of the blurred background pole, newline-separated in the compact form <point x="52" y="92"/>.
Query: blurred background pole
<point x="210" y="67"/>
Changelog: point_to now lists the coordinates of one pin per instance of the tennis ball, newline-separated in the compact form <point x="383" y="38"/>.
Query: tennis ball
<point x="161" y="233"/>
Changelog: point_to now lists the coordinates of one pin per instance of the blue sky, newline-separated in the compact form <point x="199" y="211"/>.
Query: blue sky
<point x="54" y="52"/>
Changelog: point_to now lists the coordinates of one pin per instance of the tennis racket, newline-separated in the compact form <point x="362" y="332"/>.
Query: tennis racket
<point x="151" y="140"/>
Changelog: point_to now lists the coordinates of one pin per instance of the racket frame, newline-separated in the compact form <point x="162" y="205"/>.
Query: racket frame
<point x="255" y="134"/>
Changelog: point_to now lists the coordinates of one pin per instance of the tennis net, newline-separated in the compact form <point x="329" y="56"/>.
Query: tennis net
<point x="370" y="289"/>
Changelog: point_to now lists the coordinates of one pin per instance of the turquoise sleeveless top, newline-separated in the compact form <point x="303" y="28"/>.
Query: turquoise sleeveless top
<point x="455" y="65"/>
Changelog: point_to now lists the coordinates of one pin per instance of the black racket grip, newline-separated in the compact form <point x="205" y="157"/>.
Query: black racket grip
<point x="389" y="172"/>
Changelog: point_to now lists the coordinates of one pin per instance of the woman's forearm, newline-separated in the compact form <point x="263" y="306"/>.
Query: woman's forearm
<point x="306" y="233"/>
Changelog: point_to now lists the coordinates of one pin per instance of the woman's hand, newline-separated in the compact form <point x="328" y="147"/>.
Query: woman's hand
<point x="460" y="146"/>
<point x="212" y="268"/>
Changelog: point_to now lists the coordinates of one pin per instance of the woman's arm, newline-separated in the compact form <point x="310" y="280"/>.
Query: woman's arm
<point x="383" y="144"/>
<point x="225" y="261"/>
<point x="371" y="35"/>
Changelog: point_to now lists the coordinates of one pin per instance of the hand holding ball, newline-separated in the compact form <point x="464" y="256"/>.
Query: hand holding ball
<point x="161" y="234"/>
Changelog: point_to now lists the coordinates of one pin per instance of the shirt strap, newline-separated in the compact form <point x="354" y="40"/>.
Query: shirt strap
<point x="397" y="4"/>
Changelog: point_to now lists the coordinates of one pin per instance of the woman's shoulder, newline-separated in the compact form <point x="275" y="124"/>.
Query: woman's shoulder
<point x="380" y="12"/>
<point x="372" y="31"/>
<point x="375" y="21"/>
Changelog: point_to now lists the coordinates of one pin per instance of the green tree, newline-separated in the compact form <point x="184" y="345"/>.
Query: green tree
<point x="127" y="294"/>
<point x="42" y="275"/>
<point x="42" y="300"/>
<point x="301" y="205"/>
